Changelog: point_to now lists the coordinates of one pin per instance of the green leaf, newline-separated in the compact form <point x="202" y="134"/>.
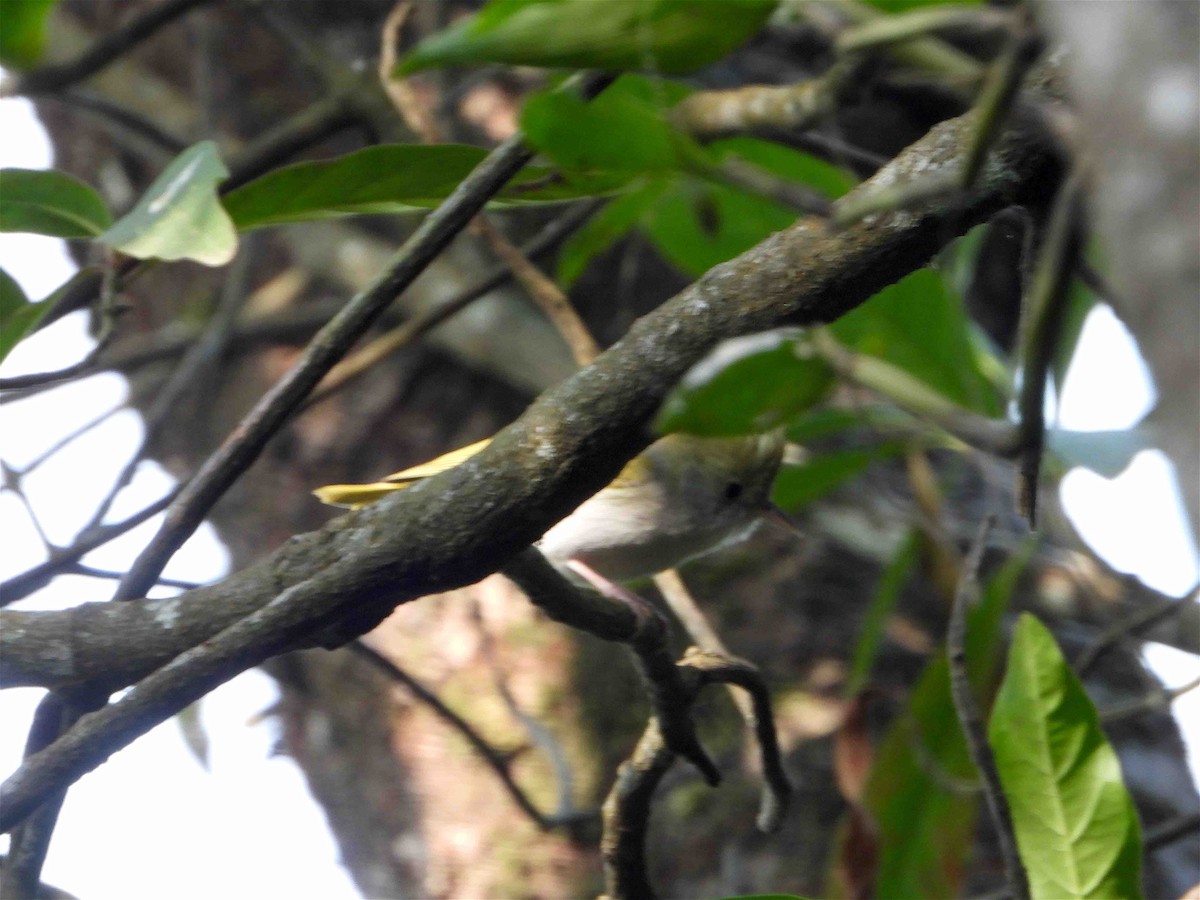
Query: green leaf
<point x="818" y="424"/>
<point x="658" y="35"/>
<point x="698" y="225"/>
<point x="23" y="32"/>
<point x="919" y="325"/>
<point x="797" y="486"/>
<point x="45" y="201"/>
<point x="18" y="315"/>
<point x="1076" y="827"/>
<point x="891" y="583"/>
<point x="614" y="132"/>
<point x="925" y="820"/>
<point x="180" y="215"/>
<point x="392" y="178"/>
<point x="604" y="229"/>
<point x="793" y="165"/>
<point x="746" y="385"/>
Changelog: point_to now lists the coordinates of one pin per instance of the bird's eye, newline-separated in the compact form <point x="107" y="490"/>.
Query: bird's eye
<point x="733" y="490"/>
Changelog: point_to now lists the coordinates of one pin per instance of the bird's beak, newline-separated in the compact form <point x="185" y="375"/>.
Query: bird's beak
<point x="778" y="517"/>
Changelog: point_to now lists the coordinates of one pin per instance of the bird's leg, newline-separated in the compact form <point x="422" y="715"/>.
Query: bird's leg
<point x="609" y="588"/>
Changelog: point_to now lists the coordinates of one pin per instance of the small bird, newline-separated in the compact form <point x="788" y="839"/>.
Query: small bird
<point x="678" y="499"/>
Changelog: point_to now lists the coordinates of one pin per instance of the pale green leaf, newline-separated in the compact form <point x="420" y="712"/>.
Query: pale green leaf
<point x="1077" y="831"/>
<point x="180" y="215"/>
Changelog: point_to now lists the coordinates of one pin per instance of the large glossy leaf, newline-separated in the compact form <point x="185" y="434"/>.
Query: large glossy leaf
<point x="23" y="31"/>
<point x="925" y="818"/>
<point x="180" y="215"/>
<point x="658" y="35"/>
<point x="1076" y="827"/>
<point x="746" y="385"/>
<point x="920" y="325"/>
<point x="44" y="201"/>
<point x="392" y="178"/>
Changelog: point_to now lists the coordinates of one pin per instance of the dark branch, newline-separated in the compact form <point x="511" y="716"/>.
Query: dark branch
<point x="971" y="719"/>
<point x="1046" y="308"/>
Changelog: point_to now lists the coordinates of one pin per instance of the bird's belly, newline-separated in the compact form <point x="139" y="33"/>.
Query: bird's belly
<point x="628" y="553"/>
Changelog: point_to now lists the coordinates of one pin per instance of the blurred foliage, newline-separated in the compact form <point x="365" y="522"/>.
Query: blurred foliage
<point x="657" y="35"/>
<point x="23" y="32"/>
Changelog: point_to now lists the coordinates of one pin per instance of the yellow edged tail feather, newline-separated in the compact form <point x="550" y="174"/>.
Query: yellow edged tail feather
<point x="355" y="496"/>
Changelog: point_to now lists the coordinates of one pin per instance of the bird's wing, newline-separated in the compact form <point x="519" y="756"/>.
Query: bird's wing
<point x="358" y="495"/>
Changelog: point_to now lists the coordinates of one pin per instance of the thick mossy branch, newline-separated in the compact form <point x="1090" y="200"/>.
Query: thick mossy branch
<point x="466" y="523"/>
<point x="329" y="586"/>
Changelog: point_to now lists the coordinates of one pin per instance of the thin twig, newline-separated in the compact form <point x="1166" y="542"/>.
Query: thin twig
<point x="74" y="435"/>
<point x="539" y="735"/>
<point x="626" y="817"/>
<point x="187" y="377"/>
<point x="921" y="22"/>
<point x="31" y="840"/>
<point x="134" y="127"/>
<point x="408" y="331"/>
<point x="1155" y="701"/>
<point x="1045" y="311"/>
<point x="114" y="44"/>
<point x="21" y="586"/>
<point x="1165" y="833"/>
<point x="756" y="109"/>
<point x="717" y="668"/>
<point x="15" y="484"/>
<point x="275" y="407"/>
<point x="800" y="198"/>
<point x="1127" y="627"/>
<point x="998" y="97"/>
<point x="971" y="719"/>
<point x="112" y="575"/>
<point x="548" y="296"/>
<point x="541" y="288"/>
<point x="85" y="366"/>
<point x="630" y="621"/>
<point x="996" y="436"/>
<point x="681" y="602"/>
<point x="495" y="760"/>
